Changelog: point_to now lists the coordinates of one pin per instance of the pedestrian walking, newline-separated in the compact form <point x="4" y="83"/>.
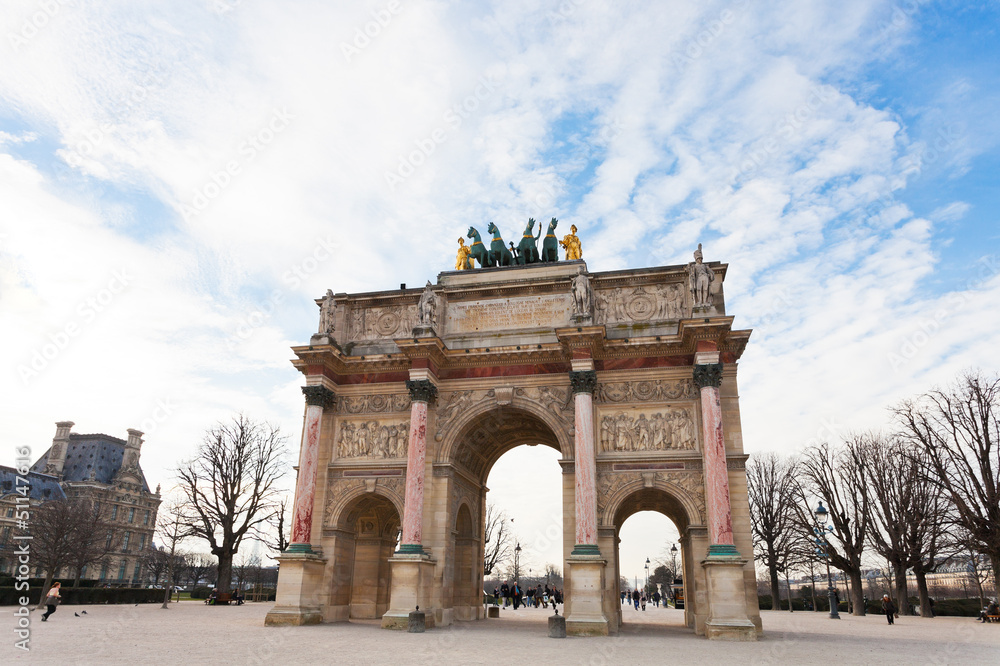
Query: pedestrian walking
<point x="52" y="600"/>
<point x="888" y="608"/>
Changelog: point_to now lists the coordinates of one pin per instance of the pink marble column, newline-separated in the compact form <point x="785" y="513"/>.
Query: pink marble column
<point x="708" y="377"/>
<point x="422" y="391"/>
<point x="585" y="462"/>
<point x="318" y="398"/>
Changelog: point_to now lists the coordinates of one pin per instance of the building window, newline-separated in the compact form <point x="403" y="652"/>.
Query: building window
<point x="4" y="536"/>
<point x="104" y="571"/>
<point x="136" y="575"/>
<point x="114" y="512"/>
<point x="145" y="521"/>
<point x="107" y="544"/>
<point x="10" y="512"/>
<point x="142" y="541"/>
<point x="121" y="570"/>
<point x="131" y="514"/>
<point x="83" y="571"/>
<point x="128" y="535"/>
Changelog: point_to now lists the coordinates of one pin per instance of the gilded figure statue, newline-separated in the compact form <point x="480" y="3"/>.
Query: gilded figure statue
<point x="462" y="261"/>
<point x="571" y="243"/>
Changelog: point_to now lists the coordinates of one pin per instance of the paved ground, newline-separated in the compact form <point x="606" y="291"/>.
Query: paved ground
<point x="194" y="633"/>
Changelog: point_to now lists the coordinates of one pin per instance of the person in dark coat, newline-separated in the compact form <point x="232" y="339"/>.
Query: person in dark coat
<point x="888" y="608"/>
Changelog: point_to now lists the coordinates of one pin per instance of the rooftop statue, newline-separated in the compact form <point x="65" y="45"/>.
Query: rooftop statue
<point x="499" y="254"/>
<point x="478" y="250"/>
<point x="700" y="278"/>
<point x="528" y="247"/>
<point x="463" y="261"/>
<point x="571" y="243"/>
<point x="550" y="250"/>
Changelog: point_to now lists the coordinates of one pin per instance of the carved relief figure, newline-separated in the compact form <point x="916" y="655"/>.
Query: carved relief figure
<point x="700" y="278"/>
<point x="372" y="439"/>
<point x="669" y="430"/>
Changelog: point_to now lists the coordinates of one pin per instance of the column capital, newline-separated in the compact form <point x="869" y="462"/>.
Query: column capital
<point x="421" y="390"/>
<point x="583" y="381"/>
<point x="319" y="395"/>
<point x="708" y="374"/>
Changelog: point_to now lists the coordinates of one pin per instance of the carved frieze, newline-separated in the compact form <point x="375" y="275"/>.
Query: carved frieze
<point x="338" y="488"/>
<point x="378" y="403"/>
<point x="662" y="302"/>
<point x="394" y="321"/>
<point x="659" y="390"/>
<point x="691" y="483"/>
<point x="373" y="439"/>
<point x="672" y="429"/>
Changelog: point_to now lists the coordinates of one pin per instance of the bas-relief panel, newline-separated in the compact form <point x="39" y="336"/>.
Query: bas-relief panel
<point x="661" y="302"/>
<point x="665" y="429"/>
<point x="646" y="391"/>
<point x="393" y="321"/>
<point x="377" y="403"/>
<point x="372" y="438"/>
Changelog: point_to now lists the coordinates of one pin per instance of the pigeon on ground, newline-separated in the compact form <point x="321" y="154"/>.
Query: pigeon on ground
<point x="84" y="612"/>
<point x="76" y="614"/>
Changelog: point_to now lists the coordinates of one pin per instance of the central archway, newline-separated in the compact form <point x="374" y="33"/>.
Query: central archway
<point x="468" y="452"/>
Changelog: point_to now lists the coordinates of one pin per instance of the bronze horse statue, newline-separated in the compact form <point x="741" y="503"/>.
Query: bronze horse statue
<point x="479" y="251"/>
<point x="528" y="248"/>
<point x="499" y="254"/>
<point x="550" y="246"/>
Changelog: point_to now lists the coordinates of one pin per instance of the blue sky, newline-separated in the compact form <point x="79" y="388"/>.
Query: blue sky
<point x="227" y="162"/>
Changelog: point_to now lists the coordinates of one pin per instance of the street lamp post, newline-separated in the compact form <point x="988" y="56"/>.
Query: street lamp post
<point x="823" y="550"/>
<point x="517" y="561"/>
<point x="646" y="589"/>
<point x="673" y="571"/>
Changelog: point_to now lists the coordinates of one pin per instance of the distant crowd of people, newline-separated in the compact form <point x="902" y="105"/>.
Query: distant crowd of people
<point x="639" y="599"/>
<point x="532" y="597"/>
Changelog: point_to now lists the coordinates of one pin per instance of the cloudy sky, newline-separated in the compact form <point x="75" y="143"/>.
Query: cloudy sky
<point x="179" y="180"/>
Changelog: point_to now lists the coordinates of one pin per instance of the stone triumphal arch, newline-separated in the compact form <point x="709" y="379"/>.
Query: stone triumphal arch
<point x="413" y="394"/>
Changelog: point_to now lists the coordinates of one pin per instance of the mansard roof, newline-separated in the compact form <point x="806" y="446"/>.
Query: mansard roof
<point x="98" y="452"/>
<point x="43" y="486"/>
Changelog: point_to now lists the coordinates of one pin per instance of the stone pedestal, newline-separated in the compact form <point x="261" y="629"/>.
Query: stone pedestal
<point x="727" y="600"/>
<point x="412" y="583"/>
<point x="297" y="600"/>
<point x="586" y="616"/>
<point x="493" y="611"/>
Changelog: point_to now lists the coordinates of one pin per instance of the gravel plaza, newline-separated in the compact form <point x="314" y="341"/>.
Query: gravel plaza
<point x="193" y="633"/>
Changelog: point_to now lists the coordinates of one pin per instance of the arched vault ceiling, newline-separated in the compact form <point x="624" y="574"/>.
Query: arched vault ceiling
<point x="486" y="438"/>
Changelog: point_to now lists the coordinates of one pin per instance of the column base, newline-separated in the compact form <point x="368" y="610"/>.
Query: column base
<point x="412" y="582"/>
<point x="586" y="616"/>
<point x="727" y="602"/>
<point x="297" y="599"/>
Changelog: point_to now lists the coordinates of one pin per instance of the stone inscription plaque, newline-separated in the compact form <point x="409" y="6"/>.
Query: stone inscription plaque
<point x="508" y="314"/>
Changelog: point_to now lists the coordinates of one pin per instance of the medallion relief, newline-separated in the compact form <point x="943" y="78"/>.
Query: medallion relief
<point x="378" y="403"/>
<point x="394" y="321"/>
<point x="658" y="390"/>
<point x="662" y="302"/>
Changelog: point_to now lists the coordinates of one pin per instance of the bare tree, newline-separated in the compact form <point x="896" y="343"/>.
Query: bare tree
<point x="199" y="566"/>
<point x="772" y="491"/>
<point x="53" y="527"/>
<point x="499" y="539"/>
<point x="230" y="487"/>
<point x="959" y="431"/>
<point x="837" y="477"/>
<point x="278" y="521"/>
<point x="94" y="538"/>
<point x="171" y="529"/>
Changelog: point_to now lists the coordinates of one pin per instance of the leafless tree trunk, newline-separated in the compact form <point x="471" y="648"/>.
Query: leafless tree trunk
<point x="230" y="487"/>
<point x="958" y="430"/>
<point x="171" y="530"/>
<point x="278" y="521"/>
<point x="837" y="477"/>
<point x="95" y="536"/>
<point x="498" y="539"/>
<point x="54" y="528"/>
<point x="771" y="484"/>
